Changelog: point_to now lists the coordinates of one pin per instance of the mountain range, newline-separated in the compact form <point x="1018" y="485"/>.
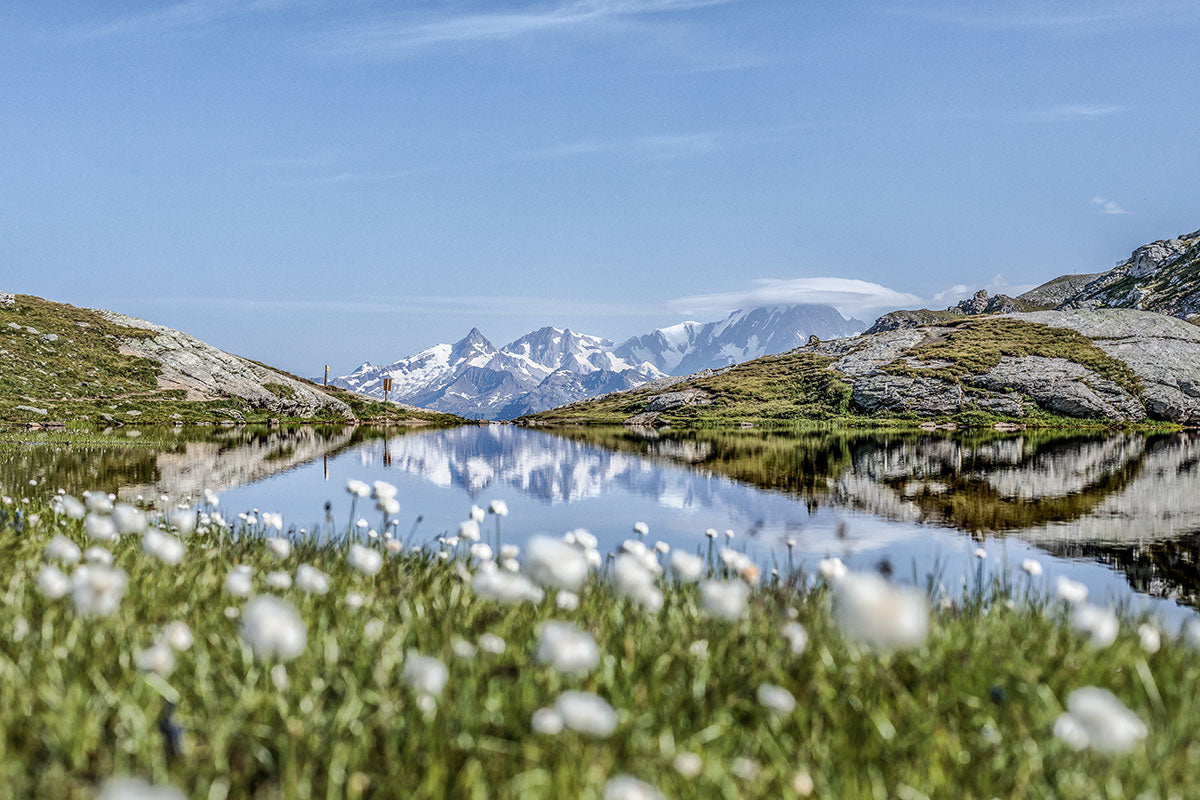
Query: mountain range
<point x="551" y="366"/>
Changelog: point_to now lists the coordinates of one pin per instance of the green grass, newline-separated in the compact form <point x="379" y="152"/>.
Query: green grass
<point x="969" y="713"/>
<point x="83" y="379"/>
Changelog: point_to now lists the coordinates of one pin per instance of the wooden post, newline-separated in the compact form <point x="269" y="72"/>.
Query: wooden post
<point x="387" y="388"/>
<point x="326" y="375"/>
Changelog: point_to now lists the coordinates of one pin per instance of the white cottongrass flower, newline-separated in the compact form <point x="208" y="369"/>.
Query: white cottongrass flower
<point x="158" y="658"/>
<point x="311" y="580"/>
<point x="128" y="519"/>
<point x="832" y="569"/>
<point x="687" y="566"/>
<point x="547" y="722"/>
<point x="481" y="551"/>
<point x="1191" y="633"/>
<point x="72" y="507"/>
<point x="383" y="490"/>
<point x="366" y="560"/>
<point x="565" y="648"/>
<point x="1032" y="568"/>
<point x="273" y="628"/>
<point x="137" y="789"/>
<point x="688" y="764"/>
<point x="980" y="553"/>
<point x="581" y="538"/>
<point x="279" y="546"/>
<point x="711" y="533"/>
<point x="873" y="612"/>
<point x="469" y="531"/>
<point x="796" y="636"/>
<point x="724" y="599"/>
<point x="178" y="635"/>
<point x="1098" y="623"/>
<point x="641" y="528"/>
<point x="357" y="488"/>
<point x="163" y="546"/>
<point x="745" y="768"/>
<point x="509" y="551"/>
<point x="586" y="713"/>
<point x="477" y="514"/>
<point x="633" y="580"/>
<point x="97" y="526"/>
<point x="183" y="520"/>
<point x="505" y="586"/>
<point x="462" y="648"/>
<point x="98" y="501"/>
<point x="555" y="564"/>
<point x="1096" y="720"/>
<point x="279" y="580"/>
<point x="96" y="589"/>
<point x="627" y="787"/>
<point x="1071" y="591"/>
<point x="388" y="505"/>
<point x="211" y="498"/>
<point x="646" y="556"/>
<point x="499" y="508"/>
<point x="52" y="582"/>
<point x="776" y="698"/>
<point x="567" y="601"/>
<point x="273" y="520"/>
<point x="62" y="549"/>
<point x="354" y="600"/>
<point x="238" y="581"/>
<point x="491" y="643"/>
<point x="425" y="674"/>
<point x="1150" y="638"/>
<point x="662" y="547"/>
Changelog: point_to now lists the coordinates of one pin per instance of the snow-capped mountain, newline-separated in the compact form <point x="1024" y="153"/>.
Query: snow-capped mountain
<point x="692" y="346"/>
<point x="554" y="366"/>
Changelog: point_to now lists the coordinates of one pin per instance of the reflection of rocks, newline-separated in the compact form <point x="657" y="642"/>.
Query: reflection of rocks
<point x="1064" y="472"/>
<point x="221" y="464"/>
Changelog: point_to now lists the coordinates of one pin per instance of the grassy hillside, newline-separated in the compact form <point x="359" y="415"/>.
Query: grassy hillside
<point x="64" y="364"/>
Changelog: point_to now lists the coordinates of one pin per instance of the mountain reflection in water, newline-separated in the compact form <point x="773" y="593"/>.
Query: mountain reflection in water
<point x="1130" y="501"/>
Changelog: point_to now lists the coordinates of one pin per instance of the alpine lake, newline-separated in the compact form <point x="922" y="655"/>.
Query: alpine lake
<point x="1119" y="512"/>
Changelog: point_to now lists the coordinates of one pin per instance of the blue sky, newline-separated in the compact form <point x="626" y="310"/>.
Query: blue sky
<point x="320" y="181"/>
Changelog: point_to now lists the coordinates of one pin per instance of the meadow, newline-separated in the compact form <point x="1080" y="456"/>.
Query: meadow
<point x="157" y="649"/>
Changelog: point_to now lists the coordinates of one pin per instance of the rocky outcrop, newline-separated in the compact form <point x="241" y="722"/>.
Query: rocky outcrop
<point x="1063" y="387"/>
<point x="672" y="400"/>
<point x="929" y="397"/>
<point x="7" y="299"/>
<point x="206" y="373"/>
<point x="978" y="303"/>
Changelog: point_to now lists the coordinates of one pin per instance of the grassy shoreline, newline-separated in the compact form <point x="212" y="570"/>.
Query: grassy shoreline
<point x="970" y="711"/>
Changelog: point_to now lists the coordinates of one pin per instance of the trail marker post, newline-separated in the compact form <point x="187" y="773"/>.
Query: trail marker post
<point x="326" y="375"/>
<point x="387" y="388"/>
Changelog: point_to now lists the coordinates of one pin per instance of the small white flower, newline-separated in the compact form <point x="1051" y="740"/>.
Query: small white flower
<point x="462" y="648"/>
<point x="633" y="580"/>
<point x="776" y="698"/>
<point x="724" y="599"/>
<point x="1032" y="567"/>
<point x="729" y="534"/>
<point x="1098" y="623"/>
<point x="499" y="508"/>
<point x="1150" y="637"/>
<point x="128" y="519"/>
<point x="745" y="768"/>
<point x="980" y="553"/>
<point x="1071" y="591"/>
<point x="137" y="789"/>
<point x="547" y="722"/>
<point x="688" y="764"/>
<point x="273" y="520"/>
<point x="388" y="505"/>
<point x="52" y="582"/>
<point x="509" y="551"/>
<point x="662" y="547"/>
<point x="566" y="648"/>
<point x="1095" y="719"/>
<point x="211" y="498"/>
<point x="491" y="643"/>
<point x="238" y="581"/>
<point x="555" y="564"/>
<point x="505" y="586"/>
<point x="383" y="490"/>
<point x="567" y="601"/>
<point x="711" y="533"/>
<point x="279" y="580"/>
<point x="481" y="551"/>
<point x="279" y="546"/>
<point x="641" y="528"/>
<point x="158" y="657"/>
<point x="357" y="488"/>
<point x="354" y="600"/>
<point x="877" y="614"/>
<point x="163" y="546"/>
<point x="183" y="520"/>
<point x="273" y="628"/>
<point x="96" y="590"/>
<point x="366" y="560"/>
<point x="62" y="549"/>
<point x="98" y="501"/>
<point x="1191" y="633"/>
<point x="426" y="675"/>
<point x="687" y="566"/>
<point x="311" y="580"/>
<point x="796" y="636"/>
<point x="70" y="506"/>
<point x="469" y="531"/>
<point x="832" y="569"/>
<point x="627" y="787"/>
<point x="586" y="713"/>
<point x="178" y="635"/>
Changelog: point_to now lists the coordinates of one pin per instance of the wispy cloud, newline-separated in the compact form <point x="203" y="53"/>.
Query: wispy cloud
<point x="1067" y="113"/>
<point x="1106" y="206"/>
<point x="402" y="37"/>
<point x="848" y="295"/>
<point x="178" y="17"/>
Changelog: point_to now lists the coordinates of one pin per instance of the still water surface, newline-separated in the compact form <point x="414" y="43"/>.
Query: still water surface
<point x="1119" y="512"/>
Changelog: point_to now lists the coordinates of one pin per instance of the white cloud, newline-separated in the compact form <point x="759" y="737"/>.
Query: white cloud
<point x="1107" y="206"/>
<point x="960" y="291"/>
<point x="1067" y="113"/>
<point x="847" y="295"/>
<point x="1082" y="17"/>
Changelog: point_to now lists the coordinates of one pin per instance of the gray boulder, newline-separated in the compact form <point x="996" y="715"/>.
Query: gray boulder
<point x="928" y="397"/>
